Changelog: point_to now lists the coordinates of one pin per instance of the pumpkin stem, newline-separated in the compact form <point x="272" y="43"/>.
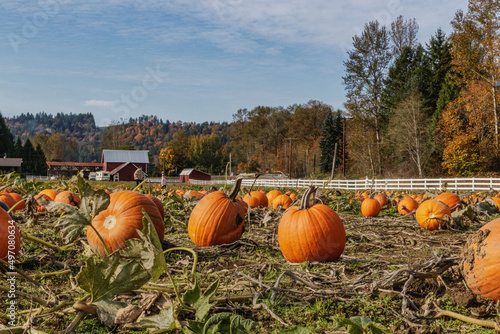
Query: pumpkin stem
<point x="195" y="258"/>
<point x="256" y="177"/>
<point x="237" y="185"/>
<point x="304" y="203"/>
<point x="100" y="238"/>
<point x="42" y="242"/>
<point x="485" y="323"/>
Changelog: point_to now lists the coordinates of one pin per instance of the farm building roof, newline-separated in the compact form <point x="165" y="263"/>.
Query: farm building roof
<point x="74" y="164"/>
<point x="188" y="171"/>
<point x="119" y="168"/>
<point x="125" y="156"/>
<point x="10" y="162"/>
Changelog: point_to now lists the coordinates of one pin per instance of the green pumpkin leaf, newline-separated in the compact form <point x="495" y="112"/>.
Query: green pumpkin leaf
<point x="200" y="302"/>
<point x="228" y="323"/>
<point x="147" y="250"/>
<point x="76" y="220"/>
<point x="108" y="278"/>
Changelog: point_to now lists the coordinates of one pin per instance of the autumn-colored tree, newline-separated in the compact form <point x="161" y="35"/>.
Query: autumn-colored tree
<point x="476" y="50"/>
<point x="207" y="154"/>
<point x="467" y="128"/>
<point x="168" y="160"/>
<point x="57" y="147"/>
<point x="180" y="145"/>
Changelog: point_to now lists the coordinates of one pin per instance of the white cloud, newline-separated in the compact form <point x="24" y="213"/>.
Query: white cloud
<point x="98" y="103"/>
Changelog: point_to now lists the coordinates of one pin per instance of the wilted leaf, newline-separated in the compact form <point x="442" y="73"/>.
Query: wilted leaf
<point x="165" y="320"/>
<point x="107" y="310"/>
<point x="486" y="207"/>
<point x="128" y="314"/>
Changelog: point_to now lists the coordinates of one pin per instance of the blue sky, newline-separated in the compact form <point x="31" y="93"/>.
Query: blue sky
<point x="187" y="60"/>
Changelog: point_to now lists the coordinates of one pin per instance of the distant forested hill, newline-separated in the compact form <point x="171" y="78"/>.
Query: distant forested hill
<point x="75" y="137"/>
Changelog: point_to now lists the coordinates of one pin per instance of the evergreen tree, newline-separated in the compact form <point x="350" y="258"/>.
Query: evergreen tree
<point x="18" y="148"/>
<point x="6" y="139"/>
<point x="41" y="161"/>
<point x="438" y="63"/>
<point x="331" y="134"/>
<point x="406" y="77"/>
<point x="29" y="158"/>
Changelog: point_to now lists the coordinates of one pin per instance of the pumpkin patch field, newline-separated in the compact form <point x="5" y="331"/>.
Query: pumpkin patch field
<point x="86" y="257"/>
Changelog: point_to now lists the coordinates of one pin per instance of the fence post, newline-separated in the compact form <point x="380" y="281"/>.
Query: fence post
<point x="473" y="184"/>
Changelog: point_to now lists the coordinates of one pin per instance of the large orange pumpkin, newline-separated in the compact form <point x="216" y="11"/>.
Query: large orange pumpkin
<point x="430" y="214"/>
<point x="10" y="237"/>
<point x="480" y="261"/>
<point x="158" y="204"/>
<point x="370" y="207"/>
<point x="271" y="195"/>
<point x="382" y="200"/>
<point x="121" y="220"/>
<point x="217" y="218"/>
<point x="262" y="198"/>
<point x="283" y="201"/>
<point x="452" y="200"/>
<point x="68" y="197"/>
<point x="311" y="232"/>
<point x="251" y="200"/>
<point x="21" y="203"/>
<point x="7" y="199"/>
<point x="407" y="205"/>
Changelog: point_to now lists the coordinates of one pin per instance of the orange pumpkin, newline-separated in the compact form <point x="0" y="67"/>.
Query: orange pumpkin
<point x="480" y="261"/>
<point x="251" y="200"/>
<point x="283" y="201"/>
<point x="68" y="197"/>
<point x="497" y="201"/>
<point x="407" y="205"/>
<point x="49" y="192"/>
<point x="7" y="199"/>
<point x="382" y="200"/>
<point x="10" y="236"/>
<point x="217" y="218"/>
<point x="158" y="204"/>
<point x="370" y="207"/>
<point x="21" y="203"/>
<point x="120" y="221"/>
<point x="452" y="200"/>
<point x="193" y="193"/>
<point x="311" y="232"/>
<point x="271" y="195"/>
<point x="430" y="214"/>
<point x="262" y="198"/>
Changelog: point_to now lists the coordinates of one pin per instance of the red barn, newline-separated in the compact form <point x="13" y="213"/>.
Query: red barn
<point x="189" y="174"/>
<point x="123" y="163"/>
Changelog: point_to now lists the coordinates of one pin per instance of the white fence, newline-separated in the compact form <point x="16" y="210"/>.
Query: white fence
<point x="455" y="184"/>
